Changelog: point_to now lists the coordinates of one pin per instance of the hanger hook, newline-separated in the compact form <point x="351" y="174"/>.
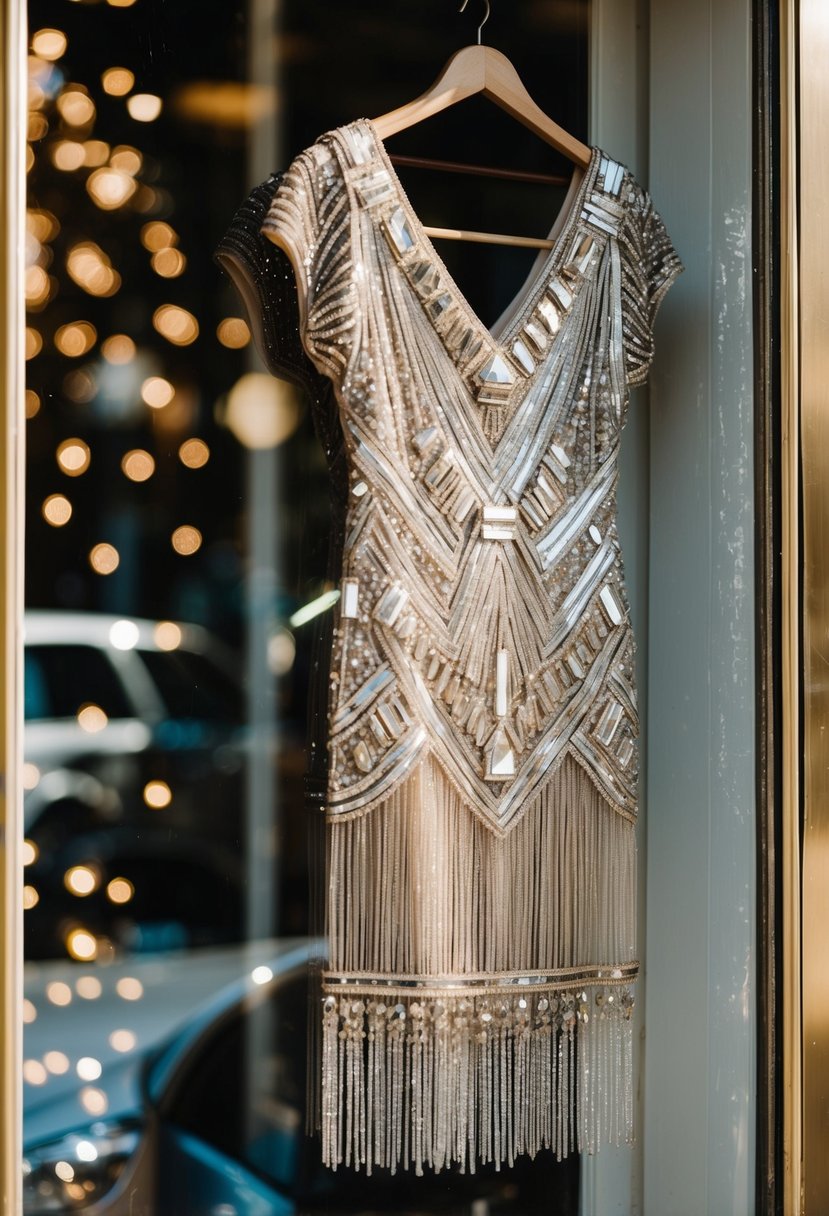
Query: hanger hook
<point x="486" y="16"/>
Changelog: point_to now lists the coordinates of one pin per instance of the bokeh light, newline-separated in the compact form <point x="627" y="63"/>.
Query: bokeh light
<point x="57" y="510"/>
<point x="49" y="44"/>
<point x="157" y="794"/>
<point x="137" y="464"/>
<point x="194" y="453"/>
<point x="143" y="107"/>
<point x="176" y="324"/>
<point x="186" y="539"/>
<point x="117" y="81"/>
<point x="104" y="558"/>
<point x="73" y="457"/>
<point x="233" y="333"/>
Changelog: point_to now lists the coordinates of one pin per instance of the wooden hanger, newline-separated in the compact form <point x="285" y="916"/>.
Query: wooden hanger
<point x="481" y="69"/>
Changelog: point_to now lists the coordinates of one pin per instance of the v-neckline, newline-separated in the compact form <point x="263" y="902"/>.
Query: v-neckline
<point x="507" y="323"/>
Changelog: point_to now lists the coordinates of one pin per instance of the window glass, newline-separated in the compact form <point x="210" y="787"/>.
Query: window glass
<point x="192" y="686"/>
<point x="58" y="680"/>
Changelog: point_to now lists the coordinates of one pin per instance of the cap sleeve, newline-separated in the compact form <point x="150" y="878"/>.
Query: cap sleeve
<point x="650" y="264"/>
<point x="308" y="219"/>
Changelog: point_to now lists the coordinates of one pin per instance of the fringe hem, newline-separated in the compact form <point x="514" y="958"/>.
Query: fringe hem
<point x="461" y="1079"/>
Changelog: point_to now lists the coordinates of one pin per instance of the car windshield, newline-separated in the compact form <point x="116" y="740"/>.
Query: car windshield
<point x="192" y="686"/>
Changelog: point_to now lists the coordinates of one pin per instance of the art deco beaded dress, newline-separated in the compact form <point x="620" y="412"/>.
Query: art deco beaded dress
<point x="482" y="760"/>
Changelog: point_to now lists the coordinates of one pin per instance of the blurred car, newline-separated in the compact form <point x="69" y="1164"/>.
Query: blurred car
<point x="134" y="747"/>
<point x="202" y="1112"/>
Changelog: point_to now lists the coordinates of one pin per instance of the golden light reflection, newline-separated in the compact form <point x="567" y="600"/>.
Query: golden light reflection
<point x="81" y="880"/>
<point x="88" y="1068"/>
<point x="30" y="897"/>
<point x="157" y="392"/>
<point x="158" y="235"/>
<point x="57" y="510"/>
<point x="95" y="153"/>
<point x="233" y="333"/>
<point x="29" y="1011"/>
<point x="67" y="155"/>
<point x="122" y="1040"/>
<point x="73" y="456"/>
<point x="119" y="348"/>
<point x="104" y="558"/>
<point x="167" y="635"/>
<point x="42" y="224"/>
<point x="194" y="453"/>
<point x="143" y="107"/>
<point x="58" y="993"/>
<point x="93" y="1100"/>
<point x="138" y="465"/>
<point x="64" y="1171"/>
<point x="37" y="126"/>
<point x="88" y="987"/>
<point x="80" y="385"/>
<point x="168" y="263"/>
<point x="127" y="159"/>
<point x="129" y="988"/>
<point x="34" y="342"/>
<point x="37" y="286"/>
<point x="176" y="324"/>
<point x="186" y="540"/>
<point x="32" y="403"/>
<point x="56" y="1062"/>
<point x="110" y="188"/>
<point x="76" y="107"/>
<point x="34" y="1073"/>
<point x="262" y="411"/>
<point x="124" y="634"/>
<point x="91" y="717"/>
<point x="120" y="3"/>
<point x="117" y="81"/>
<point x="30" y="852"/>
<point x="30" y="158"/>
<point x="120" y="890"/>
<point x="75" y="339"/>
<point x="92" y="270"/>
<point x="81" y="944"/>
<point x="49" y="44"/>
<point x="157" y="794"/>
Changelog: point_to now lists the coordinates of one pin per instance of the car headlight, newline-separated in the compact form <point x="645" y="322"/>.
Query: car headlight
<point x="78" y="1169"/>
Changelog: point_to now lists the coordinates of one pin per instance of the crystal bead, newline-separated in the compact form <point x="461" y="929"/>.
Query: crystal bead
<point x="501" y="760"/>
<point x="362" y="757"/>
<point x="523" y="356"/>
<point x="397" y="227"/>
<point x="495" y="371"/>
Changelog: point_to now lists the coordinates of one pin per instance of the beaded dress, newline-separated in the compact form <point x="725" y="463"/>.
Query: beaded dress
<point x="482" y="727"/>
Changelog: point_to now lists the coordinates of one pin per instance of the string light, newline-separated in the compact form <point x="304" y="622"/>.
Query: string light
<point x="120" y="890"/>
<point x="194" y="453"/>
<point x="68" y="155"/>
<point x="167" y="635"/>
<point x="91" y="269"/>
<point x="137" y="465"/>
<point x="33" y="343"/>
<point x="75" y="107"/>
<point x="144" y="107"/>
<point x="76" y="338"/>
<point x="104" y="558"/>
<point x="233" y="333"/>
<point x="118" y="349"/>
<point x="110" y="188"/>
<point x="49" y="44"/>
<point x="73" y="456"/>
<point x="56" y="510"/>
<point x="117" y="81"/>
<point x="168" y="263"/>
<point x="157" y="794"/>
<point x="186" y="540"/>
<point x="176" y="324"/>
<point x="158" y="235"/>
<point x="126" y="159"/>
<point x="157" y="392"/>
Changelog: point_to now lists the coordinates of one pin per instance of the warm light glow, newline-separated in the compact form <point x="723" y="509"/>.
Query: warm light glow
<point x="167" y="635"/>
<point x="92" y="270"/>
<point x="110" y="188"/>
<point x="261" y="975"/>
<point x="76" y="108"/>
<point x="120" y="890"/>
<point x="118" y="349"/>
<point x="117" y="81"/>
<point x="37" y="126"/>
<point x="34" y="342"/>
<point x="42" y="224"/>
<point x="95" y="153"/>
<point x="75" y="339"/>
<point x="30" y="897"/>
<point x="57" y="510"/>
<point x="262" y="411"/>
<point x="157" y="392"/>
<point x="58" y="993"/>
<point x="143" y="107"/>
<point x="81" y="880"/>
<point x="64" y="1171"/>
<point x="34" y="1073"/>
<point x="81" y="944"/>
<point x="30" y="158"/>
<point x="121" y="3"/>
<point x="49" y="44"/>
<point x="281" y="652"/>
<point x="104" y="558"/>
<point x="186" y="540"/>
<point x="88" y="1068"/>
<point x="30" y="852"/>
<point x="124" y="635"/>
<point x="36" y="286"/>
<point x="157" y="794"/>
<point x="233" y="333"/>
<point x="80" y="385"/>
<point x="32" y="403"/>
<point x="158" y="235"/>
<point x="129" y="988"/>
<point x="227" y="104"/>
<point x="169" y="263"/>
<point x="176" y="324"/>
<point x="126" y="159"/>
<point x="138" y="465"/>
<point x="91" y="717"/>
<point x="93" y="1100"/>
<point x="194" y="453"/>
<point x="67" y="155"/>
<point x="56" y="1062"/>
<point x="88" y="987"/>
<point x="29" y="1011"/>
<point x="122" y="1040"/>
<point x="73" y="456"/>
